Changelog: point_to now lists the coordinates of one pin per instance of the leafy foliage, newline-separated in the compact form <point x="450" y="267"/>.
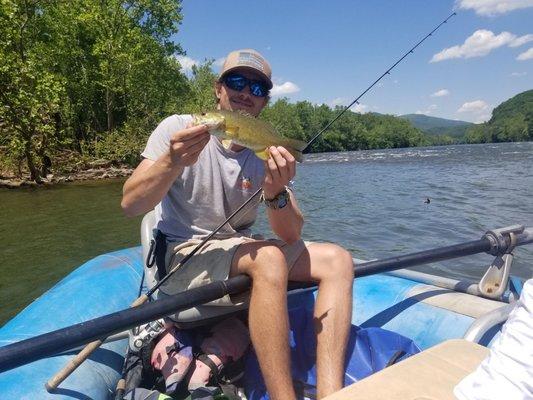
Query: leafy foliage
<point x="511" y="121"/>
<point x="352" y="131"/>
<point x="89" y="79"/>
<point x="77" y="74"/>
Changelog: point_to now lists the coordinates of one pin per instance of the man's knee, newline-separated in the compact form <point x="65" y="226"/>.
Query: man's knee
<point x="339" y="264"/>
<point x="270" y="266"/>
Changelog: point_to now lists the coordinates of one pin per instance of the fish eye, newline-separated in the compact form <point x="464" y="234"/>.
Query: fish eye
<point x="204" y="114"/>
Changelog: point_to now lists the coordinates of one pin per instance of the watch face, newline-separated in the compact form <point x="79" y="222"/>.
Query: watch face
<point x="282" y="202"/>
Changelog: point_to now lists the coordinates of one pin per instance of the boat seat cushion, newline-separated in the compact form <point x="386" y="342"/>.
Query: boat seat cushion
<point x="429" y="375"/>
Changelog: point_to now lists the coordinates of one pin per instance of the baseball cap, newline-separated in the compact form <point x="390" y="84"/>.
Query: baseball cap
<point x="251" y="59"/>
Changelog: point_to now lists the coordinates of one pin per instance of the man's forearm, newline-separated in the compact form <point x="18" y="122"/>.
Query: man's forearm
<point x="287" y="222"/>
<point x="145" y="188"/>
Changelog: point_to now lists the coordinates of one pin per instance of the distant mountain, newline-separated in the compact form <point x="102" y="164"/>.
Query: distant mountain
<point x="437" y="126"/>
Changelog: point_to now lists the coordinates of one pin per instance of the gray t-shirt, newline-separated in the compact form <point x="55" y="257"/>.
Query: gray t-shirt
<point x="207" y="192"/>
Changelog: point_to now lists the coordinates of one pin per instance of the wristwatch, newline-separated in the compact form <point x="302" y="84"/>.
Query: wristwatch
<point x="279" y="201"/>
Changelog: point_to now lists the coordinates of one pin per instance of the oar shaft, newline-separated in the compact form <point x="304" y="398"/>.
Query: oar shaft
<point x="74" y="363"/>
<point x="26" y="351"/>
<point x="29" y="350"/>
<point x="83" y="355"/>
<point x="423" y="257"/>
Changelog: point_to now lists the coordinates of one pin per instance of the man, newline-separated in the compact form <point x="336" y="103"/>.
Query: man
<point x="194" y="183"/>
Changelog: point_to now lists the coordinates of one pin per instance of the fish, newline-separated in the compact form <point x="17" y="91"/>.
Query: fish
<point x="245" y="130"/>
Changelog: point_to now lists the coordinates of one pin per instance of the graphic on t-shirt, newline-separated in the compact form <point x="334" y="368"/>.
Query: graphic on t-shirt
<point x="246" y="183"/>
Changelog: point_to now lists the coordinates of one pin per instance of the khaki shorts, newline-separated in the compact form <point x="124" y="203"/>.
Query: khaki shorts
<point x="213" y="263"/>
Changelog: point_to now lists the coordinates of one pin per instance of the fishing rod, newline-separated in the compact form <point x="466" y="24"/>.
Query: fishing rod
<point x="82" y="356"/>
<point x="495" y="242"/>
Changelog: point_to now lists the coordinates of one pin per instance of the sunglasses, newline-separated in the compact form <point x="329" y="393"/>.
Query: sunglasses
<point x="238" y="82"/>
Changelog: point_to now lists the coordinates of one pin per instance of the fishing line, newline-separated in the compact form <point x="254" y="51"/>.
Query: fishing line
<point x="387" y="72"/>
<point x="53" y="383"/>
<point x="258" y="192"/>
<point x="313" y="139"/>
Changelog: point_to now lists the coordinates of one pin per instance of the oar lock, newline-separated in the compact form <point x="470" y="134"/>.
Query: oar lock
<point x="503" y="240"/>
<point x="495" y="280"/>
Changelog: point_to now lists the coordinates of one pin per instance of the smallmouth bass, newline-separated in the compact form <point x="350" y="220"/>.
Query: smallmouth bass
<point x="245" y="130"/>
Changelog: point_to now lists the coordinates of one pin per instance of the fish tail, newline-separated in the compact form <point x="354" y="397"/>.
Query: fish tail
<point x="296" y="144"/>
<point x="295" y="147"/>
<point x="297" y="154"/>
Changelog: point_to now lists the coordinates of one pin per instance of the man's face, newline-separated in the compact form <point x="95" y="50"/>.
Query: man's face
<point x="233" y="100"/>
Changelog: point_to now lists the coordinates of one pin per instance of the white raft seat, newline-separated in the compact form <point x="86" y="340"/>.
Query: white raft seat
<point x="429" y="375"/>
<point x="195" y="316"/>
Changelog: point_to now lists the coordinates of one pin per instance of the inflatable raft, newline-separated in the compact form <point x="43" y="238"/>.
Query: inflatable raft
<point x="424" y="308"/>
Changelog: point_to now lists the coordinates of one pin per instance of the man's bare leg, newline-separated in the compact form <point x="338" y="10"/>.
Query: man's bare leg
<point x="332" y="267"/>
<point x="268" y="315"/>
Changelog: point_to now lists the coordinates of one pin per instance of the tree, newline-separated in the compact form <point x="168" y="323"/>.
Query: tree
<point x="30" y="94"/>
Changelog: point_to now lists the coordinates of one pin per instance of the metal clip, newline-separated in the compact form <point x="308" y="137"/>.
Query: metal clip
<point x="496" y="278"/>
<point x="150" y="258"/>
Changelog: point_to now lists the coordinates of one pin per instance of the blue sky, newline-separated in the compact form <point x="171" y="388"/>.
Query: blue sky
<point x="330" y="51"/>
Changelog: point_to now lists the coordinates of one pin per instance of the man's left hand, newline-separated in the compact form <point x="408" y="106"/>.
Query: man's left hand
<point x="280" y="168"/>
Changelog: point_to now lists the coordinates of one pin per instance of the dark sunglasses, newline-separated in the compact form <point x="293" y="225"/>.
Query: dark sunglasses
<point x="238" y="82"/>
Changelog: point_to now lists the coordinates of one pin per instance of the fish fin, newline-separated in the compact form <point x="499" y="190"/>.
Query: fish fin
<point x="234" y="130"/>
<point x="297" y="144"/>
<point x="297" y="154"/>
<point x="226" y="143"/>
<point x="263" y="154"/>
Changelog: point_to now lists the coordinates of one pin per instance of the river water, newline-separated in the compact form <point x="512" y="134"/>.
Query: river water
<point x="371" y="202"/>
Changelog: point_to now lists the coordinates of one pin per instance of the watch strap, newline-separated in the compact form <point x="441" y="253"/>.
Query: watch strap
<point x="279" y="201"/>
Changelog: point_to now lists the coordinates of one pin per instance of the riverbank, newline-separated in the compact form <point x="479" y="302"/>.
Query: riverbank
<point x="93" y="173"/>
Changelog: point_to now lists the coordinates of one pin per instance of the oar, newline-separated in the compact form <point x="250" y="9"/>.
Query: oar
<point x="55" y="381"/>
<point x="48" y="344"/>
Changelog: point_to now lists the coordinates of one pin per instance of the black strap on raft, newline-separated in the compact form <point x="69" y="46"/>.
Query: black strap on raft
<point x="395" y="358"/>
<point x="157" y="253"/>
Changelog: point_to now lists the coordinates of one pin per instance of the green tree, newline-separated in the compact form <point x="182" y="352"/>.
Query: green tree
<point x="30" y="94"/>
<point x="201" y="97"/>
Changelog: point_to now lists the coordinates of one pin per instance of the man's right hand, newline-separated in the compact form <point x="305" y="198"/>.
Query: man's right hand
<point x="186" y="145"/>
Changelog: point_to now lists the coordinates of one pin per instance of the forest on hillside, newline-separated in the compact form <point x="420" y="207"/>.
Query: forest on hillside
<point x="511" y="121"/>
<point x="86" y="81"/>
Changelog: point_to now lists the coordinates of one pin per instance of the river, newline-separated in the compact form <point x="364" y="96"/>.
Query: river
<point x="372" y="202"/>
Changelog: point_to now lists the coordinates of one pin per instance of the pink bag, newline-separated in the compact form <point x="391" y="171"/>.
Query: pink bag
<point x="172" y="355"/>
<point x="228" y="342"/>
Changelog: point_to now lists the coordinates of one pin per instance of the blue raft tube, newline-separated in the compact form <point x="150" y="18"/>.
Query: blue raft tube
<point x="424" y="309"/>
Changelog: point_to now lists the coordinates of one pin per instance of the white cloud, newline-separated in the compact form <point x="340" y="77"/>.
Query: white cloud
<point x="482" y="118"/>
<point x="481" y="43"/>
<point x="526" y="55"/>
<point x="493" y="7"/>
<point x="186" y="63"/>
<point x="518" y="73"/>
<point x="476" y="106"/>
<point x="359" y="108"/>
<point x="283" y="89"/>
<point x="519" y="41"/>
<point x="441" y="93"/>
